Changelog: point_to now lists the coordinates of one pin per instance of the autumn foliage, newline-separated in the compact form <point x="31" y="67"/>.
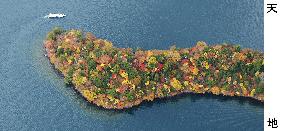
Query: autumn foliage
<point x="122" y="77"/>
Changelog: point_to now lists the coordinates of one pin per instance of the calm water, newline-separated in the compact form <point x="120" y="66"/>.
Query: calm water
<point x="33" y="96"/>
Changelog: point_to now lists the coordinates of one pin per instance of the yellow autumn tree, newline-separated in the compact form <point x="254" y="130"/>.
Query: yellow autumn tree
<point x="89" y="95"/>
<point x="107" y="45"/>
<point x="176" y="84"/>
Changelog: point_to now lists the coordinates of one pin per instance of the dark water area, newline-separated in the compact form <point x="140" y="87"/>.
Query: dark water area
<point x="33" y="96"/>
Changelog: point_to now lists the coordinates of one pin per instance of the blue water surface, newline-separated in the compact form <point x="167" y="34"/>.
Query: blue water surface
<point x="33" y="96"/>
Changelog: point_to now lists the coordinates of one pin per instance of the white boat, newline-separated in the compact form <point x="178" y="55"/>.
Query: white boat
<point x="51" y="15"/>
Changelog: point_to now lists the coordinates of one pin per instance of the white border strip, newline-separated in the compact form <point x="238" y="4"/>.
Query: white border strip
<point x="273" y="65"/>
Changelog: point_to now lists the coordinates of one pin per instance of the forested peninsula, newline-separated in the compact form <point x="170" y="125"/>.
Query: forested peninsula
<point x="117" y="78"/>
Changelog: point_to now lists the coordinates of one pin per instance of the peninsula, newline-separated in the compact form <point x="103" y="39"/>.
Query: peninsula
<point x="117" y="78"/>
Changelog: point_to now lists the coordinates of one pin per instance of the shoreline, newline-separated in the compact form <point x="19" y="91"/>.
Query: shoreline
<point x="105" y="100"/>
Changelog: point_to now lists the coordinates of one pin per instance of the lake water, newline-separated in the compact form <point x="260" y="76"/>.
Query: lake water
<point x="33" y="96"/>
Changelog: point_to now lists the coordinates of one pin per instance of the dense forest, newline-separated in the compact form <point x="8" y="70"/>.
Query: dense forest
<point x="117" y="78"/>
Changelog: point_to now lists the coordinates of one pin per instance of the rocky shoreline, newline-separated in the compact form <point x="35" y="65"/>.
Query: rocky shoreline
<point x="118" y="78"/>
